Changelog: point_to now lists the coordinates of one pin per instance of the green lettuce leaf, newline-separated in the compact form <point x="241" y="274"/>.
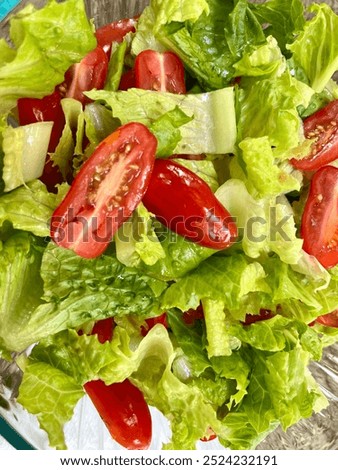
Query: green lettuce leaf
<point x="265" y="225"/>
<point x="71" y="139"/>
<point x="46" y="43"/>
<point x="315" y="49"/>
<point x="25" y="150"/>
<point x="30" y="207"/>
<point x="160" y="13"/>
<point x="268" y="107"/>
<point x="20" y="283"/>
<point x="212" y="129"/>
<point x="281" y="18"/>
<point x="78" y="290"/>
<point x="136" y="240"/>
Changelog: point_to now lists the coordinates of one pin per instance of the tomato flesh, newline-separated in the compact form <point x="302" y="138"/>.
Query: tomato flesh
<point x="264" y="314"/>
<point x="90" y="73"/>
<point x="319" y="226"/>
<point x="185" y="204"/>
<point x="323" y="127"/>
<point x="121" y="405"/>
<point x="105" y="192"/>
<point x="159" y="72"/>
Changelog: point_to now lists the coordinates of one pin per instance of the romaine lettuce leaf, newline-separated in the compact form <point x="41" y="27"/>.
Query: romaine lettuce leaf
<point x="265" y="225"/>
<point x="30" y="207"/>
<point x="46" y="43"/>
<point x="282" y="19"/>
<point x="21" y="285"/>
<point x="78" y="290"/>
<point x="25" y="150"/>
<point x="212" y="129"/>
<point x="315" y="49"/>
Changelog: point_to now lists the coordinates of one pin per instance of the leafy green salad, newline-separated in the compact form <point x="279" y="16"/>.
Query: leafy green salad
<point x="254" y="72"/>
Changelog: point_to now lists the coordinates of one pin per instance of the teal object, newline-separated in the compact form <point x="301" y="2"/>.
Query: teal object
<point x="6" y="6"/>
<point x="12" y="436"/>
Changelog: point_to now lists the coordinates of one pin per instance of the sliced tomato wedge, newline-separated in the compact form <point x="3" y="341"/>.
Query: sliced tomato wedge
<point x="185" y="204"/>
<point x="330" y="319"/>
<point x="121" y="405"/>
<point x="114" y="32"/>
<point x="319" y="226"/>
<point x="323" y="127"/>
<point x="90" y="73"/>
<point x="49" y="108"/>
<point x="159" y="72"/>
<point x="105" y="192"/>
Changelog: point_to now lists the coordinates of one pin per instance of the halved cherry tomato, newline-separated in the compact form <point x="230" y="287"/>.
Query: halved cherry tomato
<point x="319" y="226"/>
<point x="121" y="405"/>
<point x="105" y="192"/>
<point x="49" y="108"/>
<point x="323" y="127"/>
<point x="90" y="73"/>
<point x="114" y="32"/>
<point x="330" y="319"/>
<point x="184" y="203"/>
<point x="151" y="322"/>
<point x="159" y="71"/>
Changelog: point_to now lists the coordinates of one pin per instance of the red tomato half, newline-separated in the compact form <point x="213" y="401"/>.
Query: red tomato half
<point x="127" y="80"/>
<point x="159" y="71"/>
<point x="105" y="192"/>
<point x="121" y="406"/>
<point x="114" y="32"/>
<point x="184" y="203"/>
<point x="90" y="73"/>
<point x="331" y="319"/>
<point x="319" y="227"/>
<point x="323" y="127"/>
<point x="49" y="108"/>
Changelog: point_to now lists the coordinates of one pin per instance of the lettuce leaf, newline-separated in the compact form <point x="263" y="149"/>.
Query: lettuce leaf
<point x="30" y="207"/>
<point x="212" y="129"/>
<point x="21" y="285"/>
<point x="46" y="43"/>
<point x="78" y="290"/>
<point x="315" y="49"/>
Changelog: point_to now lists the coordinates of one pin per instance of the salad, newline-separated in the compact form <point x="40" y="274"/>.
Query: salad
<point x="168" y="215"/>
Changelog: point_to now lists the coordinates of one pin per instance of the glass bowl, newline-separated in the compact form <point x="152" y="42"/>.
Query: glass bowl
<point x="86" y="430"/>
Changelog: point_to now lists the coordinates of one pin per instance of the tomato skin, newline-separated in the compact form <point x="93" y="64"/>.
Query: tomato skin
<point x="90" y="73"/>
<point x="319" y="226"/>
<point x="322" y="125"/>
<point x="105" y="192"/>
<point x="114" y="32"/>
<point x="121" y="405"/>
<point x="264" y="314"/>
<point x="127" y="80"/>
<point x="151" y="322"/>
<point x="191" y="315"/>
<point x="128" y="417"/>
<point x="330" y="319"/>
<point x="49" y="108"/>
<point x="185" y="204"/>
<point x="159" y="72"/>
